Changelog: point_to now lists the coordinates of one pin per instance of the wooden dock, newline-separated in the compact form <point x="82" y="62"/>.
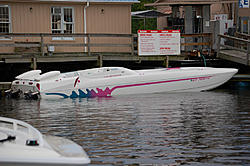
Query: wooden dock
<point x="3" y="87"/>
<point x="72" y="57"/>
<point x="36" y="47"/>
<point x="237" y="51"/>
<point x="239" y="82"/>
<point x="39" y="49"/>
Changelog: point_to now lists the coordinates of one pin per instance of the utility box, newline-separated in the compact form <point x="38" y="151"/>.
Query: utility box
<point x="220" y="26"/>
<point x="51" y="49"/>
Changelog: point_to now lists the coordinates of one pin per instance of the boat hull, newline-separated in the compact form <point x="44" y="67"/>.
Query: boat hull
<point x="103" y="84"/>
<point x="28" y="146"/>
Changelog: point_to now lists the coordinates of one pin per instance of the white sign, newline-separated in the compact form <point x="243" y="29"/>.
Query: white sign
<point x="159" y="42"/>
<point x="220" y="17"/>
<point x="243" y="3"/>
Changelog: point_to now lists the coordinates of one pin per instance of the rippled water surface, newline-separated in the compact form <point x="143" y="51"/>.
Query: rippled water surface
<point x="205" y="128"/>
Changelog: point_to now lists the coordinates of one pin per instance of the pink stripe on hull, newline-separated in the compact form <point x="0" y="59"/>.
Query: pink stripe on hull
<point x="173" y="68"/>
<point x="159" y="82"/>
<point x="107" y="91"/>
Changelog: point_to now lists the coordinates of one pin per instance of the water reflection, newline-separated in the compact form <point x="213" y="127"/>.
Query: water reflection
<point x="164" y="129"/>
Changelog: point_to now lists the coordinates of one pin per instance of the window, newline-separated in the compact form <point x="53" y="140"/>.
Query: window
<point x="5" y="23"/>
<point x="62" y="21"/>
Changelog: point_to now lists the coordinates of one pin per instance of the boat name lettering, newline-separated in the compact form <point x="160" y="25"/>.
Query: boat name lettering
<point x="113" y="76"/>
<point x="201" y="78"/>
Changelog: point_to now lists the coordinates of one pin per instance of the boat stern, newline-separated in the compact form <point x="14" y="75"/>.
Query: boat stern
<point x="29" y="89"/>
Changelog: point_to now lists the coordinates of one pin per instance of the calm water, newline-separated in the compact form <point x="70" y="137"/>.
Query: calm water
<point x="205" y="128"/>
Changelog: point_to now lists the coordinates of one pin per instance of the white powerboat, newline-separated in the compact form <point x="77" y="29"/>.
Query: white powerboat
<point x="110" y="81"/>
<point x="22" y="144"/>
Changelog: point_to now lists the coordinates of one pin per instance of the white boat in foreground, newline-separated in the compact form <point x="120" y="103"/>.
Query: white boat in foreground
<point x="110" y="81"/>
<point x="22" y="144"/>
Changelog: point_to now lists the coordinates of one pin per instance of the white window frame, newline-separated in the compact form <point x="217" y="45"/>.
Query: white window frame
<point x="63" y="24"/>
<point x="10" y="30"/>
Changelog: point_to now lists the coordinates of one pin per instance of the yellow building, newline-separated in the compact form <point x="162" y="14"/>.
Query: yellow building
<point x="64" y="17"/>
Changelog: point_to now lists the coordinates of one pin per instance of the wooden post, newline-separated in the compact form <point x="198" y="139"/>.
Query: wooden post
<point x="89" y="44"/>
<point x="248" y="27"/>
<point x="211" y="42"/>
<point x="33" y="63"/>
<point x="42" y="45"/>
<point x="241" y="26"/>
<point x="237" y="16"/>
<point x="100" y="60"/>
<point x="218" y="46"/>
<point x="185" y="41"/>
<point x="132" y="44"/>
<point x="241" y="30"/>
<point x="247" y="58"/>
<point x="167" y="61"/>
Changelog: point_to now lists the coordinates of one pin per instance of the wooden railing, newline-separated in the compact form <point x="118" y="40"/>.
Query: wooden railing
<point x="57" y="43"/>
<point x="208" y="43"/>
<point x="239" y="44"/>
<point x="242" y="35"/>
<point x="40" y="44"/>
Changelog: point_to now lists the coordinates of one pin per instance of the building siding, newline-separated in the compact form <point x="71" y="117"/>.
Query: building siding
<point x="244" y="12"/>
<point x="115" y="19"/>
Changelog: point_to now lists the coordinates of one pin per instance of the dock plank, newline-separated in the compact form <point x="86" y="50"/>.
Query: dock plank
<point x="233" y="55"/>
<point x="81" y="57"/>
<point x="52" y="59"/>
<point x="234" y="52"/>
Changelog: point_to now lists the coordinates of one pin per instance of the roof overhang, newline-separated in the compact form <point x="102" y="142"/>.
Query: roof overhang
<point x="75" y="1"/>
<point x="148" y="14"/>
<point x="185" y="3"/>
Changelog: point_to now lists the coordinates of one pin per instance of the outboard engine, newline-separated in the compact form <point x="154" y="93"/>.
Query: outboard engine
<point x="12" y="94"/>
<point x="29" y="95"/>
<point x="8" y="94"/>
<point x="35" y="95"/>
